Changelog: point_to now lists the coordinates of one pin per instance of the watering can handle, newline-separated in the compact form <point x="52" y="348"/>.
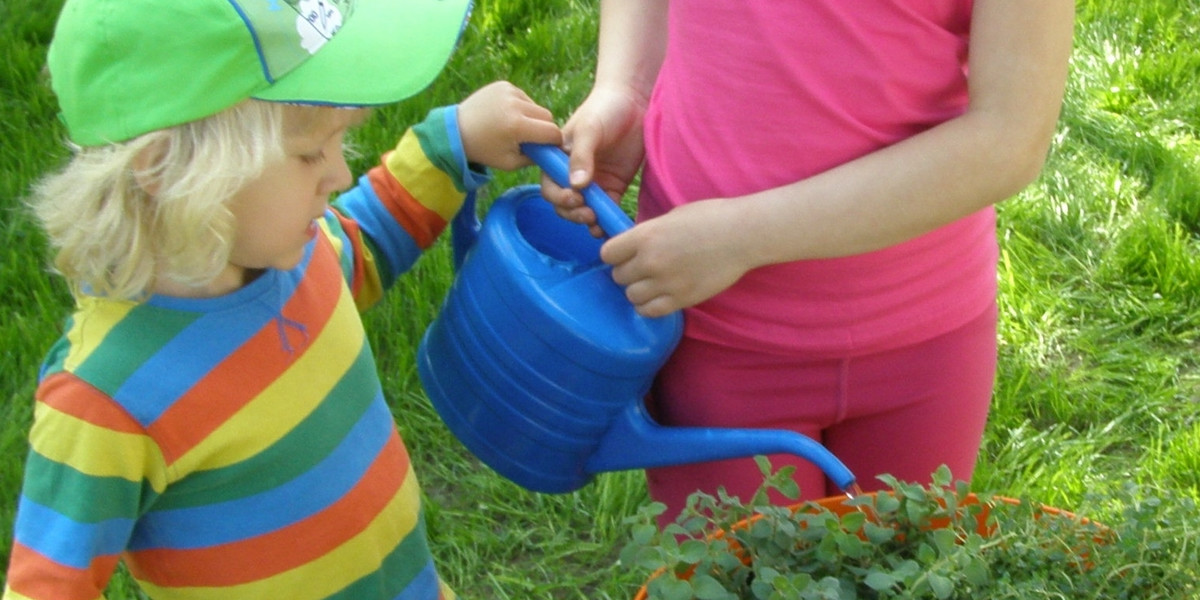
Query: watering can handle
<point x="464" y="230"/>
<point x="555" y="163"/>
<point x="465" y="226"/>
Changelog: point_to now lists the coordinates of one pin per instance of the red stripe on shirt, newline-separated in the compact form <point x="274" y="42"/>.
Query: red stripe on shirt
<point x="67" y="393"/>
<point x="423" y="224"/>
<point x="36" y="576"/>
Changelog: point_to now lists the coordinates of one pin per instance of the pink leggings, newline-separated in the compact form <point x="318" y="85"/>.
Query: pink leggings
<point x="903" y="411"/>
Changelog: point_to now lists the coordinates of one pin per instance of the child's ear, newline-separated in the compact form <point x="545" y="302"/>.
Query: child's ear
<point x="148" y="167"/>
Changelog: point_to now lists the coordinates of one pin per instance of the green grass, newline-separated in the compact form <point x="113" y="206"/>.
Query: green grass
<point x="1099" y="380"/>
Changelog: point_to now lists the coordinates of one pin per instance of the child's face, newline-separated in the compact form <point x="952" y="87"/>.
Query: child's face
<point x="276" y="213"/>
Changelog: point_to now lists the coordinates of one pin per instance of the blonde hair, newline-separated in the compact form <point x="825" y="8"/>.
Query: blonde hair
<point x="122" y="215"/>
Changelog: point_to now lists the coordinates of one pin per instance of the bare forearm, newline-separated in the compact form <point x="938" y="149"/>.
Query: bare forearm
<point x="890" y="196"/>
<point x="633" y="39"/>
<point x="932" y="179"/>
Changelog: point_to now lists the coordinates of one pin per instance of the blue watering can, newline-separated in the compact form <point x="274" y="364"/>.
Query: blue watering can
<point x="539" y="364"/>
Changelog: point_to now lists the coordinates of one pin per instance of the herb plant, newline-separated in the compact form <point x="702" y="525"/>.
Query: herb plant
<point x="912" y="541"/>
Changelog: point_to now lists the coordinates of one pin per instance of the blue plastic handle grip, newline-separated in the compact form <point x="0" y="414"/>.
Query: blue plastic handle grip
<point x="555" y="163"/>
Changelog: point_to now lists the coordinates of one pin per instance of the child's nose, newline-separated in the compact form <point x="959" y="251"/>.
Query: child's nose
<point x="339" y="177"/>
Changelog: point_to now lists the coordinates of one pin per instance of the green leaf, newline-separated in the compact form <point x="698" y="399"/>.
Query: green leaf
<point x="762" y="588"/>
<point x="941" y="477"/>
<point x="764" y="465"/>
<point x="878" y="534"/>
<point x="907" y="570"/>
<point x="941" y="586"/>
<point x="826" y="550"/>
<point x="728" y="561"/>
<point x="926" y="554"/>
<point x="912" y="491"/>
<point x="945" y="540"/>
<point x="886" y="504"/>
<point x="705" y="587"/>
<point x="879" y="581"/>
<point x="693" y="551"/>
<point x="917" y="513"/>
<point x="853" y="521"/>
<point x="649" y="561"/>
<point x="976" y="572"/>
<point x="670" y="589"/>
<point x="642" y="534"/>
<point x="851" y="545"/>
<point x="760" y="529"/>
<point x="789" y="488"/>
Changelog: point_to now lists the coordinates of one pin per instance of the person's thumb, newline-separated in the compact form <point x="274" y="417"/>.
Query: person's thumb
<point x="582" y="144"/>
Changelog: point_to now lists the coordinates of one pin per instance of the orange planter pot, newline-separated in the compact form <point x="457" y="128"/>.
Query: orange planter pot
<point x="837" y="505"/>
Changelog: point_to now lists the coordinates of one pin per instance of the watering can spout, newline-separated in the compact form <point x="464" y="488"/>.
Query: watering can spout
<point x="636" y="441"/>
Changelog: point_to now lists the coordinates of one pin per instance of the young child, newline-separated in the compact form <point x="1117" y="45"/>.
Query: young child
<point x="212" y="415"/>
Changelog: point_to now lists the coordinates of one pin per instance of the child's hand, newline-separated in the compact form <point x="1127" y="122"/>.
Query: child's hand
<point x="682" y="258"/>
<point x="496" y="119"/>
<point x="604" y="139"/>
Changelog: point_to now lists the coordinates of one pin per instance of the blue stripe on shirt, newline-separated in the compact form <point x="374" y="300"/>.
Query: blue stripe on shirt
<point x="399" y="249"/>
<point x="65" y="540"/>
<point x="192" y="354"/>
<point x="424" y="585"/>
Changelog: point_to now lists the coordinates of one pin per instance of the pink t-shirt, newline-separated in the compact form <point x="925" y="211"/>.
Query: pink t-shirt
<point x="759" y="93"/>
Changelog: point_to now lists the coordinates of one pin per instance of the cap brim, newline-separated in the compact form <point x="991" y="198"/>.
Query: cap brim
<point x="388" y="50"/>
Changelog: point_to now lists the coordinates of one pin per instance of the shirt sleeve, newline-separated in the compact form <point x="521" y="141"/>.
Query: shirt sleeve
<point x="91" y="470"/>
<point x="399" y="208"/>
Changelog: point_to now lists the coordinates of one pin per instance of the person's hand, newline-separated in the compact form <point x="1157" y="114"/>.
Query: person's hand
<point x="496" y="119"/>
<point x="681" y="258"/>
<point x="604" y="140"/>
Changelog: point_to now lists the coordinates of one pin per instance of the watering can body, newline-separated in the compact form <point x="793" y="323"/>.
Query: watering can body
<point x="539" y="364"/>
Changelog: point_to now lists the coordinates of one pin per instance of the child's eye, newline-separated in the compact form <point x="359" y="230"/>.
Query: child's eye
<point x="312" y="159"/>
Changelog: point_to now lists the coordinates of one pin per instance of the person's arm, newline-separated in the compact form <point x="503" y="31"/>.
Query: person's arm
<point x="1019" y="56"/>
<point x="90" y="472"/>
<point x="632" y="42"/>
<point x="604" y="135"/>
<point x="399" y="208"/>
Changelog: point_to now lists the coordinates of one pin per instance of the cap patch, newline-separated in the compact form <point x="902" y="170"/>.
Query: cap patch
<point x="286" y="32"/>
<point x="317" y="22"/>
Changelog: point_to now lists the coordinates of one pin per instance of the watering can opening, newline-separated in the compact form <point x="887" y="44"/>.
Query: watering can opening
<point x="564" y="243"/>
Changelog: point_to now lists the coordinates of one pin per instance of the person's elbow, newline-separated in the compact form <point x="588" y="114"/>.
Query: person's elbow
<point x="1034" y="149"/>
<point x="1020" y="147"/>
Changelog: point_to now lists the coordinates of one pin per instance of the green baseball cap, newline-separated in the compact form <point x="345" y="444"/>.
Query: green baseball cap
<point x="122" y="68"/>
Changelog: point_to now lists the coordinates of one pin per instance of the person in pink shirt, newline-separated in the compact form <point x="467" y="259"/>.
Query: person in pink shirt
<point x="817" y="196"/>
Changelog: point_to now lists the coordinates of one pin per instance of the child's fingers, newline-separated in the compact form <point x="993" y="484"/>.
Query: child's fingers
<point x="543" y="132"/>
<point x="536" y="111"/>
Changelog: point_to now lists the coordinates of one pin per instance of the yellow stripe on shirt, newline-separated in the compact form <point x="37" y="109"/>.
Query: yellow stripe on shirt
<point x="431" y="186"/>
<point x="65" y="440"/>
<point x="94" y="319"/>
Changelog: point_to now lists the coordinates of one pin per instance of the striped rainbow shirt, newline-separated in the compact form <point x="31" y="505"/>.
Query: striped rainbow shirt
<point x="240" y="447"/>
